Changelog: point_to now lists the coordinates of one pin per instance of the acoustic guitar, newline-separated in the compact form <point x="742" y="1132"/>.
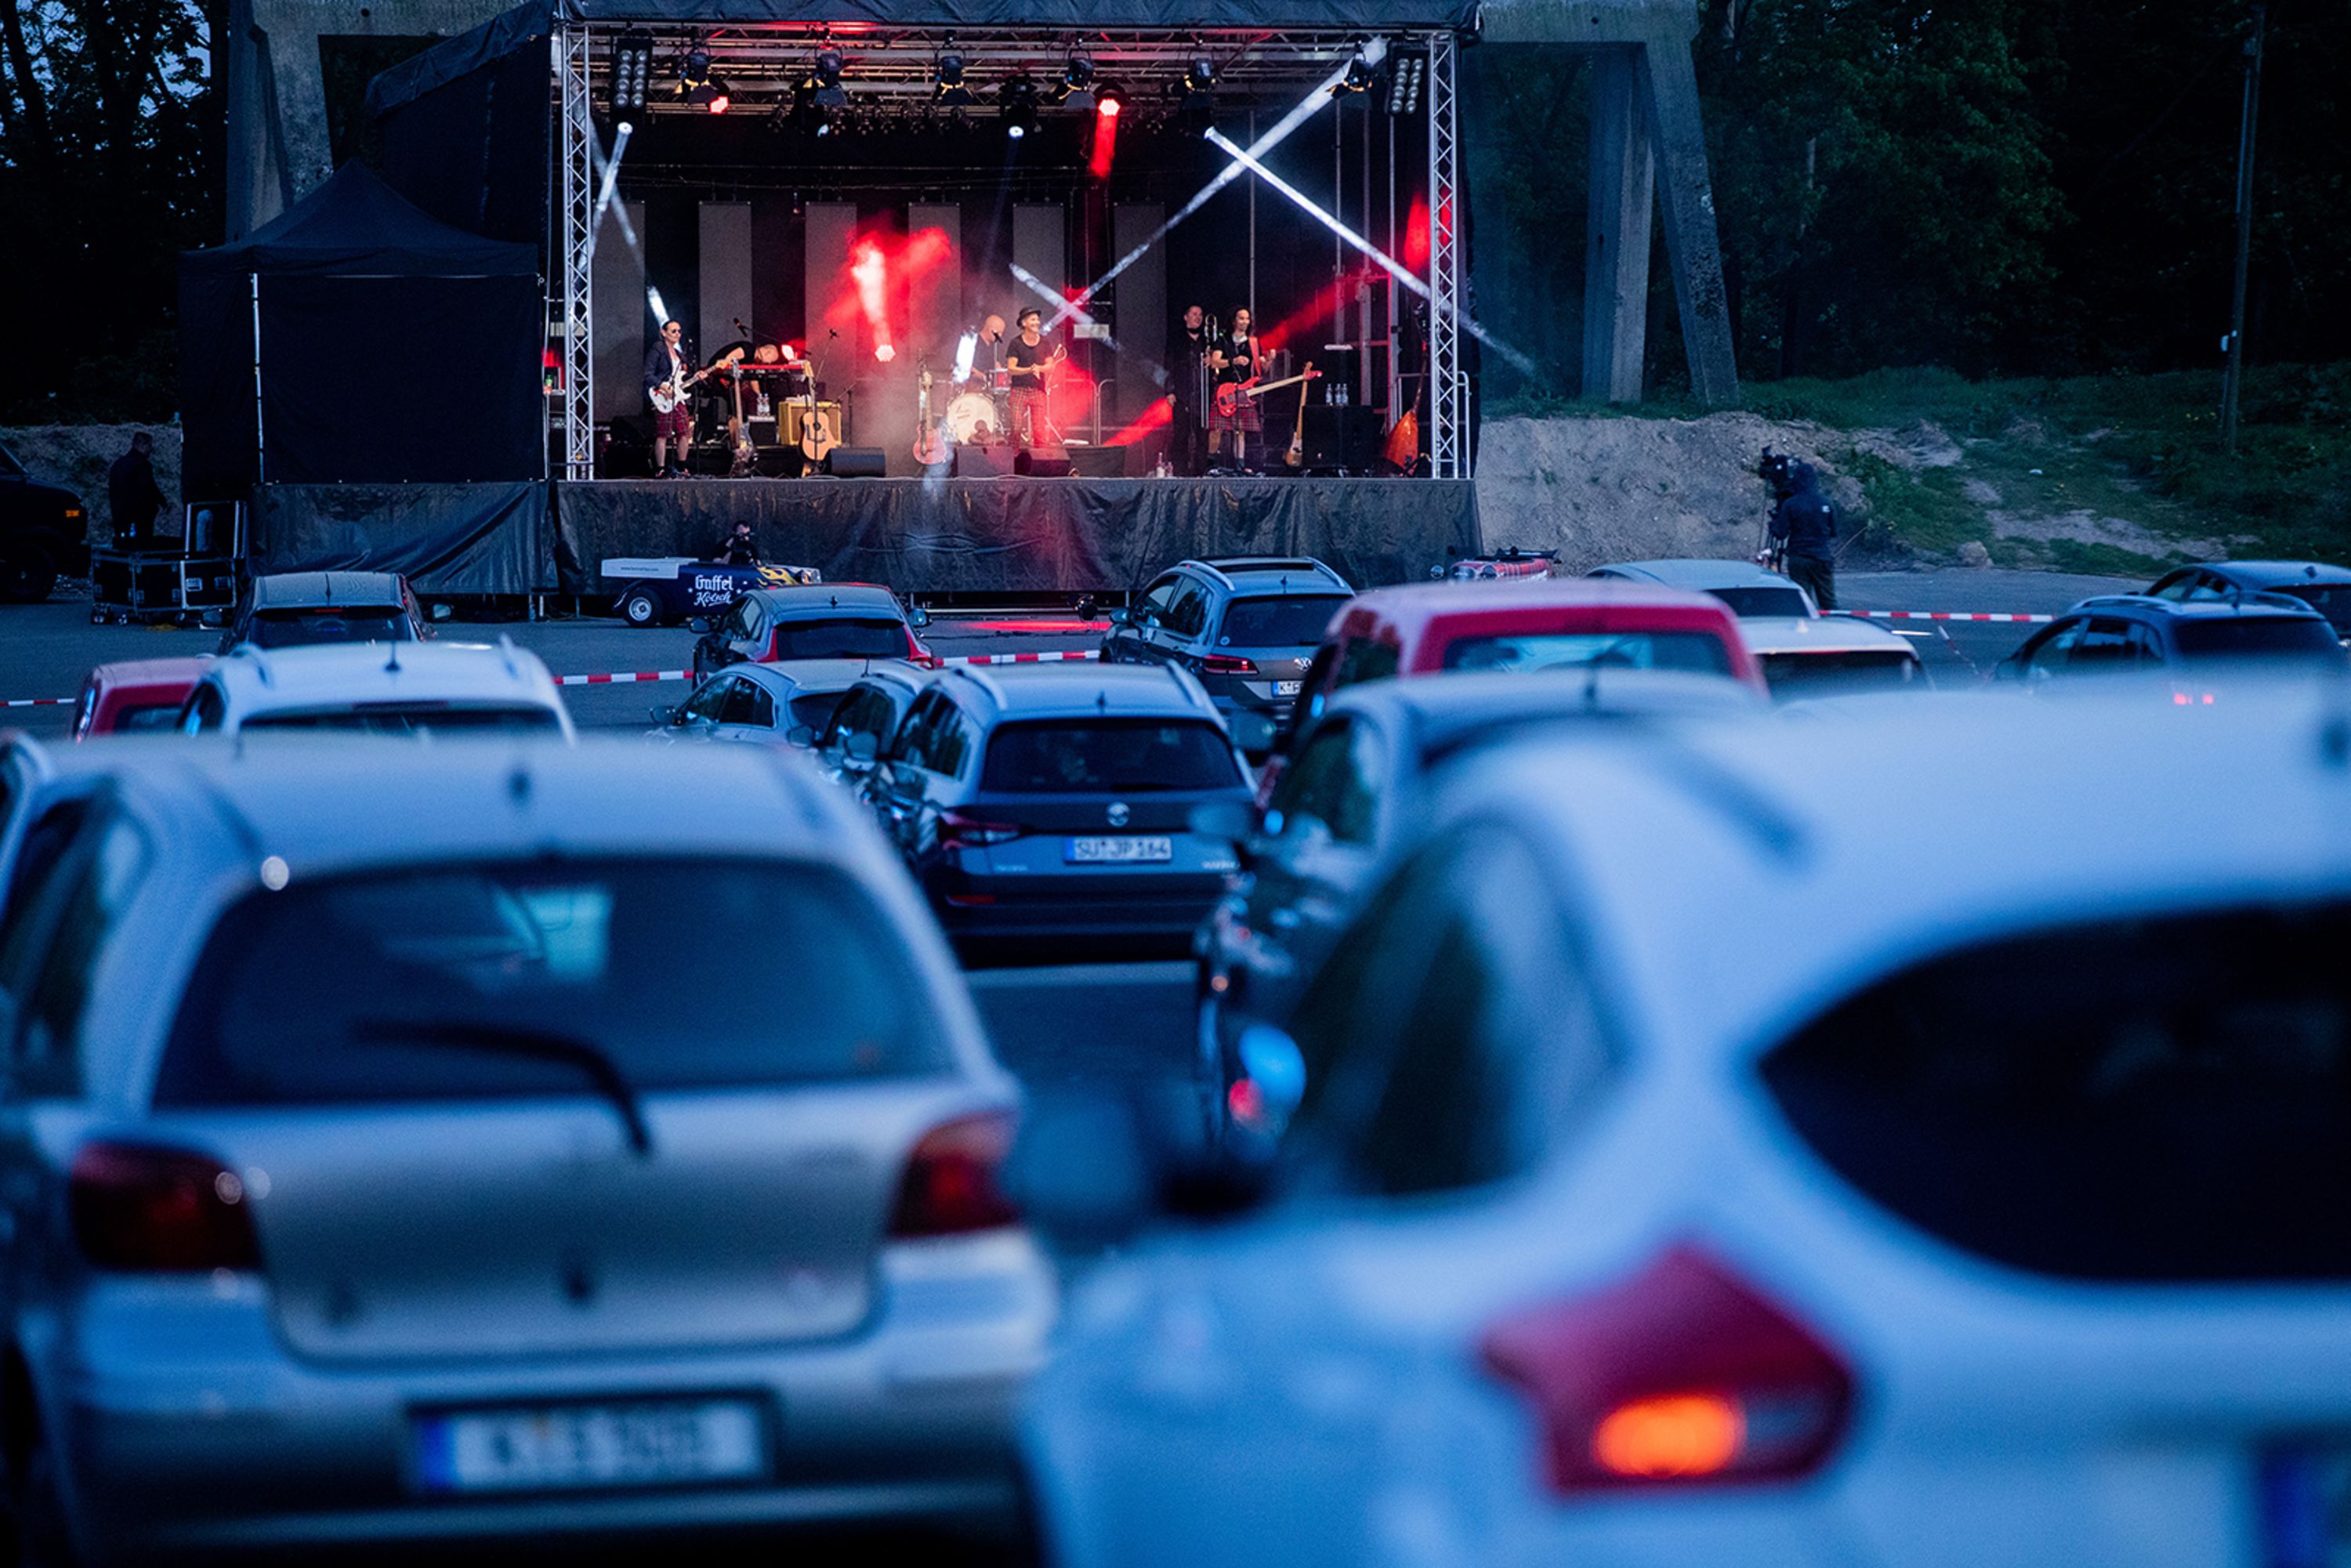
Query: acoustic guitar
<point x="929" y="448"/>
<point x="816" y="444"/>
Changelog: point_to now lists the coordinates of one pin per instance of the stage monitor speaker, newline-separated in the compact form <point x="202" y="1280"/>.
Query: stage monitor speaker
<point x="1100" y="462"/>
<point x="781" y="463"/>
<point x="982" y="462"/>
<point x="1340" y="435"/>
<point x="1038" y="466"/>
<point x="855" y="463"/>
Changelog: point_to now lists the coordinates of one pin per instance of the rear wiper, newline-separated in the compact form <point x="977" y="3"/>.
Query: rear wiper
<point x="535" y="1044"/>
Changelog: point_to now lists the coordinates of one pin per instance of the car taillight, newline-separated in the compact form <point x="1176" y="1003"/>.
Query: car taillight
<point x="1226" y="664"/>
<point x="950" y="1187"/>
<point x="916" y="653"/>
<point x="137" y="1206"/>
<point x="1681" y="1375"/>
<point x="971" y="833"/>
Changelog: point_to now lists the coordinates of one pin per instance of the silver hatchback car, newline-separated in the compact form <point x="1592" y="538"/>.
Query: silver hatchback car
<point x="496" y="1141"/>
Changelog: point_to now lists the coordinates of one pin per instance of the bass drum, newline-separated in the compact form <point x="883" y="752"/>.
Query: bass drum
<point x="970" y="415"/>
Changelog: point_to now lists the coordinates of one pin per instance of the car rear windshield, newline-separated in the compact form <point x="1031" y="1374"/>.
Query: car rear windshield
<point x="2163" y="1099"/>
<point x="2259" y="637"/>
<point x="1280" y="622"/>
<point x="2335" y="604"/>
<point x="1702" y="652"/>
<point x="815" y="709"/>
<point x="1822" y="674"/>
<point x="411" y="718"/>
<point x="152" y="715"/>
<point x="1123" y="756"/>
<point x="1764" y="602"/>
<point x="451" y="983"/>
<point x="329" y="623"/>
<point x="841" y="640"/>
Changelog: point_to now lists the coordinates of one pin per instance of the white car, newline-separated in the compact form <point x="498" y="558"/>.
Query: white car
<point x="387" y="688"/>
<point x="1804" y="653"/>
<point x="1726" y="1148"/>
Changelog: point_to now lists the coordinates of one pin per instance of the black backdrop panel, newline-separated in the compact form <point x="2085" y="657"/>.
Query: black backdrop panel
<point x="420" y="378"/>
<point x="447" y="539"/>
<point x="996" y="535"/>
<point x="215" y="385"/>
<point x="473" y="150"/>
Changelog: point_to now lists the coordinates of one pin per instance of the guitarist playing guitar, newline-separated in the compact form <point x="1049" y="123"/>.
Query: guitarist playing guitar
<point x="1237" y="362"/>
<point x="665" y="383"/>
<point x="1026" y="359"/>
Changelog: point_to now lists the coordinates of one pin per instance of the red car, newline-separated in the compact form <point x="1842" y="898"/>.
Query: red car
<point x="1549" y="624"/>
<point x="135" y="695"/>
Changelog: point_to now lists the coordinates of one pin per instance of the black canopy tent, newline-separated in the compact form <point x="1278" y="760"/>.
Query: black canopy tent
<point x="355" y="339"/>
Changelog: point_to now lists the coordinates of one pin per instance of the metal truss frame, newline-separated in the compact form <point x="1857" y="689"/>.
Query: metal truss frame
<point x="573" y="302"/>
<point x="1448" y="384"/>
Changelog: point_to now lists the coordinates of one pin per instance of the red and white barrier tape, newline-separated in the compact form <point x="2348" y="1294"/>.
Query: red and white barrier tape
<point x="624" y="678"/>
<point x="1943" y="615"/>
<point x="40" y="702"/>
<point x="633" y="677"/>
<point x="953" y="660"/>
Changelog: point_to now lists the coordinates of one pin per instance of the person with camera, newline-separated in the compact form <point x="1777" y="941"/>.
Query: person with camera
<point x="1803" y="527"/>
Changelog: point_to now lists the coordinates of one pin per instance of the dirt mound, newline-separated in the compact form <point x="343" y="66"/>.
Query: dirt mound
<point x="1605" y="490"/>
<point x="77" y="457"/>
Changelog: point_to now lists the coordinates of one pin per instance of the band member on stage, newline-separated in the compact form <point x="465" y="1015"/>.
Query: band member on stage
<point x="674" y="431"/>
<point x="1188" y="435"/>
<point x="988" y="354"/>
<point x="1236" y="360"/>
<point x="1026" y="359"/>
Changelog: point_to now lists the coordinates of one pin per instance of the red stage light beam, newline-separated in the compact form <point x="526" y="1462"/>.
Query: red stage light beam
<point x="871" y="272"/>
<point x="1158" y="417"/>
<point x="1105" y="139"/>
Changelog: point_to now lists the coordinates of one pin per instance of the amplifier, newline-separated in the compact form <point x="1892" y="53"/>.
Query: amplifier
<point x="982" y="462"/>
<point x="1100" y="461"/>
<point x="1039" y="465"/>
<point x="855" y="463"/>
<point x="1340" y="435"/>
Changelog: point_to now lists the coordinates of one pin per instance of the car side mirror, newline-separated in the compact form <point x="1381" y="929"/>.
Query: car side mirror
<point x="1232" y="820"/>
<point x="862" y="747"/>
<point x="2007" y="669"/>
<point x="1120" y="616"/>
<point x="668" y="712"/>
<point x="439" y="610"/>
<point x="918" y="618"/>
<point x="800" y="735"/>
<point x="1253" y="732"/>
<point x="1272" y="1085"/>
<point x="698" y="623"/>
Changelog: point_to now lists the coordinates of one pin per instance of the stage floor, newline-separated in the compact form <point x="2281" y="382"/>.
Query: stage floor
<point x="1018" y="536"/>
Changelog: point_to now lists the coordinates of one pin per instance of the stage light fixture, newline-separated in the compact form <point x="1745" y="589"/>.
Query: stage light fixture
<point x="951" y="92"/>
<point x="1200" y="76"/>
<point x="1404" y="74"/>
<point x="632" y="65"/>
<point x="1018" y="101"/>
<point x="1359" y="77"/>
<point x="717" y="98"/>
<point x="830" y="93"/>
<point x="1078" y="74"/>
<point x="694" y="71"/>
<point x="1110" y="98"/>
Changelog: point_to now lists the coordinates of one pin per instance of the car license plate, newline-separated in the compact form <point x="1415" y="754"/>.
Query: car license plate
<point x="1119" y="852"/>
<point x="1285" y="688"/>
<point x="591" y="1445"/>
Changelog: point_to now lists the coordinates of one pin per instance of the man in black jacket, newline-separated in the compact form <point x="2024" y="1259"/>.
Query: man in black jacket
<point x="1804" y="528"/>
<point x="133" y="497"/>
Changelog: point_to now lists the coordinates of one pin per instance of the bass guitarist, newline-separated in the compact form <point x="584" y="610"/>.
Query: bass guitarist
<point x="1237" y="361"/>
<point x="673" y="427"/>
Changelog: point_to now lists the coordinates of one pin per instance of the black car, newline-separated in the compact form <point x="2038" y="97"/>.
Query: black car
<point x="2325" y="589"/>
<point x="43" y="535"/>
<point x="1244" y="626"/>
<point x="2125" y="633"/>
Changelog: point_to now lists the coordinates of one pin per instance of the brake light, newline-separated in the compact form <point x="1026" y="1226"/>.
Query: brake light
<point x="1226" y="664"/>
<point x="1680" y="1375"/>
<point x="916" y="653"/>
<point x="950" y="1187"/>
<point x="971" y="833"/>
<point x="140" y="1208"/>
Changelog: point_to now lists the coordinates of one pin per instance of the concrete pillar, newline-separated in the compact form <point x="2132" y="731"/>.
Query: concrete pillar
<point x="1616" y="243"/>
<point x="1670" y="86"/>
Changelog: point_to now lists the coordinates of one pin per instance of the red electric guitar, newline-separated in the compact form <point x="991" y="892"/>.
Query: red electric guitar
<point x="1229" y="395"/>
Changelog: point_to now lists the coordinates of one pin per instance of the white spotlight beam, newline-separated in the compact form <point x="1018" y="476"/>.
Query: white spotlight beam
<point x="1031" y="281"/>
<point x="1374" y="52"/>
<point x="1394" y="267"/>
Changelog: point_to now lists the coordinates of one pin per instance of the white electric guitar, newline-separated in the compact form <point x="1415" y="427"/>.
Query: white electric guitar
<point x="671" y="392"/>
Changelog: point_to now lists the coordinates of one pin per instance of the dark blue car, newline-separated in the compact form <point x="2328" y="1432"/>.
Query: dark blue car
<point x="2325" y="589"/>
<point x="661" y="591"/>
<point x="2138" y="633"/>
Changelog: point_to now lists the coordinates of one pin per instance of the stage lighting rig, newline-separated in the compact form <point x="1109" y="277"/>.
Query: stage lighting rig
<point x="1019" y="98"/>
<point x="951" y="93"/>
<point x="633" y="67"/>
<point x="829" y="94"/>
<point x="1406" y="72"/>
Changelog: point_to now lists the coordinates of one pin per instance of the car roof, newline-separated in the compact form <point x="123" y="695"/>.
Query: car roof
<point x="2144" y="608"/>
<point x="1824" y="634"/>
<point x="305" y="590"/>
<point x="151" y="671"/>
<point x="1743" y="877"/>
<point x="1417" y="604"/>
<point x="787" y="675"/>
<point x="1700" y="574"/>
<point x="2271" y="573"/>
<point x="1078" y="690"/>
<point x="258" y="679"/>
<point x="813" y="600"/>
<point x="1261" y="574"/>
<point x="1443" y="711"/>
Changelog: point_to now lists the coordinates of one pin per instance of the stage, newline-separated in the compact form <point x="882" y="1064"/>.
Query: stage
<point x="1013" y="536"/>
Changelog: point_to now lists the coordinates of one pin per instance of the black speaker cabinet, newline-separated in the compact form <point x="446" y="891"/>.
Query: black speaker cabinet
<point x="1038" y="466"/>
<point x="982" y="462"/>
<point x="1100" y="461"/>
<point x="855" y="463"/>
<point x="1344" y="435"/>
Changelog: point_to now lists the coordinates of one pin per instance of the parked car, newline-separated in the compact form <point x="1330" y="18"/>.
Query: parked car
<point x="1244" y="626"/>
<point x="1352" y="796"/>
<point x="835" y="621"/>
<point x="2325" y="589"/>
<point x="1051" y="804"/>
<point x="135" y="695"/>
<point x="661" y="590"/>
<point x="395" y="688"/>
<point x="866" y="723"/>
<point x="434" y="1184"/>
<point x="44" y="534"/>
<point x="1744" y="1150"/>
<point x="786" y="704"/>
<point x="1748" y="589"/>
<point x="2135" y="633"/>
<point x="292" y="608"/>
<point x="1821" y="655"/>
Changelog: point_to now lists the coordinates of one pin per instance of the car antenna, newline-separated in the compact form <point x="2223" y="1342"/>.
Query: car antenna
<point x="391" y="661"/>
<point x="1102" y="702"/>
<point x="506" y="652"/>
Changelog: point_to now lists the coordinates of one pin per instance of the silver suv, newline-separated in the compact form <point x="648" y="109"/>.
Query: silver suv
<point x="603" y="1139"/>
